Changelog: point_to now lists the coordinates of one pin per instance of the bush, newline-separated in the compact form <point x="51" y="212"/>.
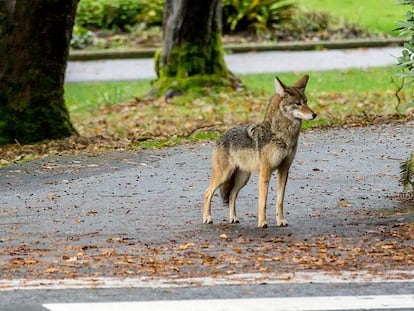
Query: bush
<point x="90" y="13"/>
<point x="258" y="15"/>
<point x="152" y="13"/>
<point x="406" y="60"/>
<point x="119" y="14"/>
<point x="81" y="37"/>
<point x="318" y="25"/>
<point x="312" y="22"/>
<point x="406" y="63"/>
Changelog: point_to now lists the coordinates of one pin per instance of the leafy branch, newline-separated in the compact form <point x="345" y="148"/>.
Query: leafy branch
<point x="407" y="173"/>
<point x="406" y="63"/>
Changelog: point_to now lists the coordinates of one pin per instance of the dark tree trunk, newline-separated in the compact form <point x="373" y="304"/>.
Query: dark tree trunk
<point x="34" y="45"/>
<point x="192" y="49"/>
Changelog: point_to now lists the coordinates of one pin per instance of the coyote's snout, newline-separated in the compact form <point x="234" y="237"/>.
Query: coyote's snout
<point x="265" y="147"/>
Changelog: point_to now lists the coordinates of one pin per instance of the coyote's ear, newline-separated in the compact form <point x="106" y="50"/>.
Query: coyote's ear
<point x="279" y="87"/>
<point x="301" y="84"/>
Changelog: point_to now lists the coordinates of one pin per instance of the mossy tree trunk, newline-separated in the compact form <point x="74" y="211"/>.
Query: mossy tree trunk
<point x="192" y="52"/>
<point x="34" y="44"/>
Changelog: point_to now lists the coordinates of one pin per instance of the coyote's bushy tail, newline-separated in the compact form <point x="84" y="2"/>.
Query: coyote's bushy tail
<point x="226" y="187"/>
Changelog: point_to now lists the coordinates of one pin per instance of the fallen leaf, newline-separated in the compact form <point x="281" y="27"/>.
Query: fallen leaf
<point x="186" y="245"/>
<point x="30" y="261"/>
<point x="344" y="204"/>
<point x="71" y="259"/>
<point x="51" y="270"/>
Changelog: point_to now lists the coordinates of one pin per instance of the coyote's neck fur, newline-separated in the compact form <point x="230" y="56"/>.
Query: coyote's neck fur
<point x="279" y="123"/>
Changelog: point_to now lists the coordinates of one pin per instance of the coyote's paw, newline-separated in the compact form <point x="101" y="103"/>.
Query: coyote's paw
<point x="207" y="220"/>
<point x="234" y="220"/>
<point x="282" y="222"/>
<point x="262" y="224"/>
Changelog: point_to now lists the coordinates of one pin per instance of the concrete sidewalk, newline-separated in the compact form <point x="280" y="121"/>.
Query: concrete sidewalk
<point x="245" y="63"/>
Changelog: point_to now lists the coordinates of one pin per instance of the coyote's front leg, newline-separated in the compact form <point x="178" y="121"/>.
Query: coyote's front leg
<point x="283" y="172"/>
<point x="264" y="177"/>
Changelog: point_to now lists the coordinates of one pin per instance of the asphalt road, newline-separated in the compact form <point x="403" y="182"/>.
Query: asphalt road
<point x="244" y="63"/>
<point x="125" y="214"/>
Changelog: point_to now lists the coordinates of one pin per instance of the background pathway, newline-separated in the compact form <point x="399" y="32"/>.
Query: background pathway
<point x="244" y="63"/>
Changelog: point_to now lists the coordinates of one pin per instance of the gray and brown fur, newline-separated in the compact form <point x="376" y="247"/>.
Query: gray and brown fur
<point x="265" y="147"/>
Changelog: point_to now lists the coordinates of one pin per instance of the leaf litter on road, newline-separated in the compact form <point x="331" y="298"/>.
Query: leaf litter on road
<point x="375" y="251"/>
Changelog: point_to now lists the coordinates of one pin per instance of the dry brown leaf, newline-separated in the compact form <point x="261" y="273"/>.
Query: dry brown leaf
<point x="344" y="204"/>
<point x="51" y="270"/>
<point x="31" y="261"/>
<point x="186" y="245"/>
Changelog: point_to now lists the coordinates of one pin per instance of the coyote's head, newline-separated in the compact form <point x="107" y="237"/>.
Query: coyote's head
<point x="293" y="102"/>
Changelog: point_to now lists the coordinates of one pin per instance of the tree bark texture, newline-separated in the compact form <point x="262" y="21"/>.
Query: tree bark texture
<point x="192" y="44"/>
<point x="34" y="46"/>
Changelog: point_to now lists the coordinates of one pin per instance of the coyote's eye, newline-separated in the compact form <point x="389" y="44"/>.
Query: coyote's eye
<point x="299" y="104"/>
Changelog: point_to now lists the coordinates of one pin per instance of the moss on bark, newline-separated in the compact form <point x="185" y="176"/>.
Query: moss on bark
<point x="193" y="66"/>
<point x="192" y="54"/>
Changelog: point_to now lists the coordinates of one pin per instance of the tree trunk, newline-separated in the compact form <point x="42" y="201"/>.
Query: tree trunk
<point x="192" y="49"/>
<point x="34" y="45"/>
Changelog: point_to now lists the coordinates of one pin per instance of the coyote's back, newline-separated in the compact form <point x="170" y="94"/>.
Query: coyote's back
<point x="262" y="147"/>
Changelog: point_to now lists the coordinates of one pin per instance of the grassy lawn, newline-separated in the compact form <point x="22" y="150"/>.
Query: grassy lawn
<point x="373" y="15"/>
<point x="352" y="80"/>
<point x="118" y="110"/>
<point x="81" y="97"/>
<point x="84" y="97"/>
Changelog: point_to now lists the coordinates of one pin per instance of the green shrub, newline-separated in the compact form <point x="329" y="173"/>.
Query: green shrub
<point x="406" y="60"/>
<point x="152" y="13"/>
<point x="81" y="37"/>
<point x="318" y="25"/>
<point x="257" y="15"/>
<point x="312" y="21"/>
<point x="260" y="16"/>
<point x="90" y="13"/>
<point x="119" y="14"/>
<point x="406" y="63"/>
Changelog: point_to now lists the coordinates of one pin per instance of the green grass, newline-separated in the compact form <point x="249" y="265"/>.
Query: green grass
<point x="352" y="80"/>
<point x="373" y="15"/>
<point x="106" y="109"/>
<point x="81" y="97"/>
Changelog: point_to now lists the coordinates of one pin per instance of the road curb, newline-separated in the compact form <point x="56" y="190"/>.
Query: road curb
<point x="243" y="48"/>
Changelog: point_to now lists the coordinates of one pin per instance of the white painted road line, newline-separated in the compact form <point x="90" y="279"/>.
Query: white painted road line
<point x="260" y="304"/>
<point x="304" y="277"/>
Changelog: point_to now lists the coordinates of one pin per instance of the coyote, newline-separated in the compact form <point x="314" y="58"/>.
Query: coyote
<point x="262" y="147"/>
